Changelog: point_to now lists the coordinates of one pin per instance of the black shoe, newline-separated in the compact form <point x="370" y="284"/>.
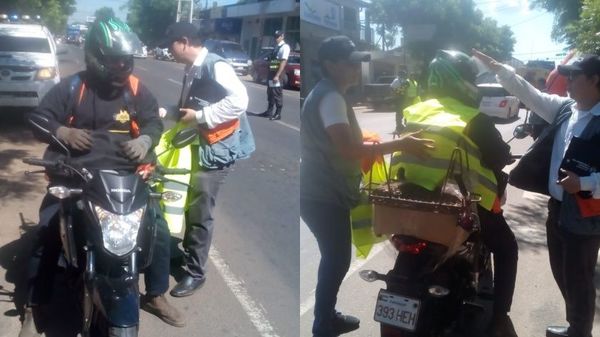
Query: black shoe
<point x="265" y="114"/>
<point x="187" y="286"/>
<point x="344" y="323"/>
<point x="502" y="326"/>
<point x="275" y="117"/>
<point x="557" y="331"/>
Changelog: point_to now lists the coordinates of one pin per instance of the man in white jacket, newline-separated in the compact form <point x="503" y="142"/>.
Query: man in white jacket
<point x="573" y="238"/>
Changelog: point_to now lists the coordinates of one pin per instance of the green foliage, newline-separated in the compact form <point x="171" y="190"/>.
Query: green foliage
<point x="54" y="13"/>
<point x="104" y="12"/>
<point x="583" y="31"/>
<point x="150" y="18"/>
<point x="565" y="13"/>
<point x="457" y="25"/>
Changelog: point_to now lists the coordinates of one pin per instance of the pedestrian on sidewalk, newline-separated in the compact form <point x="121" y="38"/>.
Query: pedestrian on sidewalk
<point x="330" y="173"/>
<point x="277" y="63"/>
<point x="573" y="239"/>
<point x="215" y="100"/>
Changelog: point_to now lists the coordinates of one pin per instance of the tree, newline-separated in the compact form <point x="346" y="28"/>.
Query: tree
<point x="455" y="24"/>
<point x="150" y="18"/>
<point x="565" y="13"/>
<point x="54" y="13"/>
<point x="585" y="30"/>
<point x="104" y="12"/>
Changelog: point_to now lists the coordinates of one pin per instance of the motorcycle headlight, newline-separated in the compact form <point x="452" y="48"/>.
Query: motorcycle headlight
<point x="119" y="232"/>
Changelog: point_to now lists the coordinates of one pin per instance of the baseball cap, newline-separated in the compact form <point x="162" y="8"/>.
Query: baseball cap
<point x="176" y="31"/>
<point x="589" y="65"/>
<point x="341" y="48"/>
<point x="278" y="33"/>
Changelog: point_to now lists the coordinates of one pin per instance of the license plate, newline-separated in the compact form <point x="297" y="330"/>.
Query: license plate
<point x="397" y="310"/>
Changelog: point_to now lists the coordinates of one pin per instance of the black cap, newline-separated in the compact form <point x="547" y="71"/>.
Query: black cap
<point x="590" y="65"/>
<point x="341" y="48"/>
<point x="176" y="31"/>
<point x="278" y="33"/>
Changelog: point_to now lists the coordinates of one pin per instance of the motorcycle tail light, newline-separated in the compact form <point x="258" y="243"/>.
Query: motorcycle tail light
<point x="414" y="248"/>
<point x="390" y="331"/>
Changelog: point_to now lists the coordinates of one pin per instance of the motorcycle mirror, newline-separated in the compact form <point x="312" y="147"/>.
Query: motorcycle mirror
<point x="522" y="131"/>
<point x="43" y="124"/>
<point x="184" y="137"/>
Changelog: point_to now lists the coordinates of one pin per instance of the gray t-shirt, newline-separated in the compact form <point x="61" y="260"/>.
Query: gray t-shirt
<point x="324" y="174"/>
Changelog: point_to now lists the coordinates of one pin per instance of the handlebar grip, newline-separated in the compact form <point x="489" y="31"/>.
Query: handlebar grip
<point x="38" y="162"/>
<point x="174" y="171"/>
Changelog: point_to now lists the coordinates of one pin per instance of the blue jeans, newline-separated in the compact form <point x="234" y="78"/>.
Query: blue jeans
<point x="330" y="225"/>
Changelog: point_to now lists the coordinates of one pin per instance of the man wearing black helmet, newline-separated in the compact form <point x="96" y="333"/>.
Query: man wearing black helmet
<point x="104" y="97"/>
<point x="453" y="105"/>
<point x="277" y="62"/>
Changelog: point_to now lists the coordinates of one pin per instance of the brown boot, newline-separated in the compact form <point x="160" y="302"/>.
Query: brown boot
<point x="28" y="329"/>
<point x="158" y="306"/>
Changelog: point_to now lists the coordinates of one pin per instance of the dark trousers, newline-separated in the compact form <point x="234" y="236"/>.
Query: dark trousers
<point x="573" y="260"/>
<point x="330" y="225"/>
<point x="500" y="239"/>
<point x="199" y="219"/>
<point x="47" y="249"/>
<point x="274" y="98"/>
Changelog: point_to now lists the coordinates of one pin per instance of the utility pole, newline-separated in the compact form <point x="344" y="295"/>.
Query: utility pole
<point x="191" y="14"/>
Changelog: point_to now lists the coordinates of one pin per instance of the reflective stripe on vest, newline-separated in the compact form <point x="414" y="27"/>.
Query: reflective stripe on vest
<point x="361" y="219"/>
<point x="174" y="211"/>
<point x="219" y="132"/>
<point x="446" y="129"/>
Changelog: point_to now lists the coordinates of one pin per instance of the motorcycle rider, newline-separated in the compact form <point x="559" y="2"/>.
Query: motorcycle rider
<point x="104" y="97"/>
<point x="451" y="82"/>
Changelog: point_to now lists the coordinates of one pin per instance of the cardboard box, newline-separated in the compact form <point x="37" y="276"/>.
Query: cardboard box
<point x="440" y="228"/>
<point x="505" y="107"/>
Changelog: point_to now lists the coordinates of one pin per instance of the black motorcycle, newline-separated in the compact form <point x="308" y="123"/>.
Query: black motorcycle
<point x="107" y="229"/>
<point x="442" y="275"/>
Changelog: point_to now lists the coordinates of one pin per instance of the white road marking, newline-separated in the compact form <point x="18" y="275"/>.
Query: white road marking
<point x="252" y="309"/>
<point x="173" y="81"/>
<point x="309" y="303"/>
<point x="289" y="125"/>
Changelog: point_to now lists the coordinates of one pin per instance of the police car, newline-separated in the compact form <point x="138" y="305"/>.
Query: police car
<point x="28" y="64"/>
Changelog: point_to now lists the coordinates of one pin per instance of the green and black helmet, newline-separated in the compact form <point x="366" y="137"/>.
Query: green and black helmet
<point x="452" y="74"/>
<point x="109" y="48"/>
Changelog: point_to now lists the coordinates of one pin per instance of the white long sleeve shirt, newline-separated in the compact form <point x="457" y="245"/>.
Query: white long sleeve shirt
<point x="547" y="106"/>
<point x="232" y="105"/>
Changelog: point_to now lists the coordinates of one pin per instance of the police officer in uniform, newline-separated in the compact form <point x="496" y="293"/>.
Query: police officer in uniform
<point x="100" y="98"/>
<point x="277" y="62"/>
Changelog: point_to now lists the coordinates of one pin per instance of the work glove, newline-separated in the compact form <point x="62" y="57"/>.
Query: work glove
<point x="137" y="148"/>
<point x="78" y="139"/>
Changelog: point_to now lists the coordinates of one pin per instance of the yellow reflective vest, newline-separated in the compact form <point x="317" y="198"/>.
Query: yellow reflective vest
<point x="170" y="157"/>
<point x="444" y="121"/>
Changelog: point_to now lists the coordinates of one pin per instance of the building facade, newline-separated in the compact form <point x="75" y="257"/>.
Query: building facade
<point x="253" y="22"/>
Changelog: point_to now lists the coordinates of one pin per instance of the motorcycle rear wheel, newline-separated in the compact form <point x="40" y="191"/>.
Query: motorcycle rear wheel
<point x="123" y="332"/>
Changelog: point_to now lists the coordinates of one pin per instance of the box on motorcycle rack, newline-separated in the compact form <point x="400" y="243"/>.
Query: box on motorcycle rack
<point x="413" y="211"/>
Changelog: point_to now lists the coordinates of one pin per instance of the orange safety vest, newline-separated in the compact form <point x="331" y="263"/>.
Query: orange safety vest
<point x="219" y="132"/>
<point x="133" y="86"/>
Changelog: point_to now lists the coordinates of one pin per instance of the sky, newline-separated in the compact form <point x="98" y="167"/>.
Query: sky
<point x="531" y="28"/>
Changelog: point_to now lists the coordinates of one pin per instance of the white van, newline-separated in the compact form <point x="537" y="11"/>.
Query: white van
<point x="28" y="64"/>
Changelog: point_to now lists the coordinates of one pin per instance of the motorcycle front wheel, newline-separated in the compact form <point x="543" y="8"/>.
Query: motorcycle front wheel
<point x="123" y="332"/>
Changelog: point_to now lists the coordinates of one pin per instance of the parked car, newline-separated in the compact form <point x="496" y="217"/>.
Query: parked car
<point x="163" y="54"/>
<point x="380" y="92"/>
<point x="232" y="52"/>
<point x="139" y="48"/>
<point x="291" y="76"/>
<point x="28" y="64"/>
